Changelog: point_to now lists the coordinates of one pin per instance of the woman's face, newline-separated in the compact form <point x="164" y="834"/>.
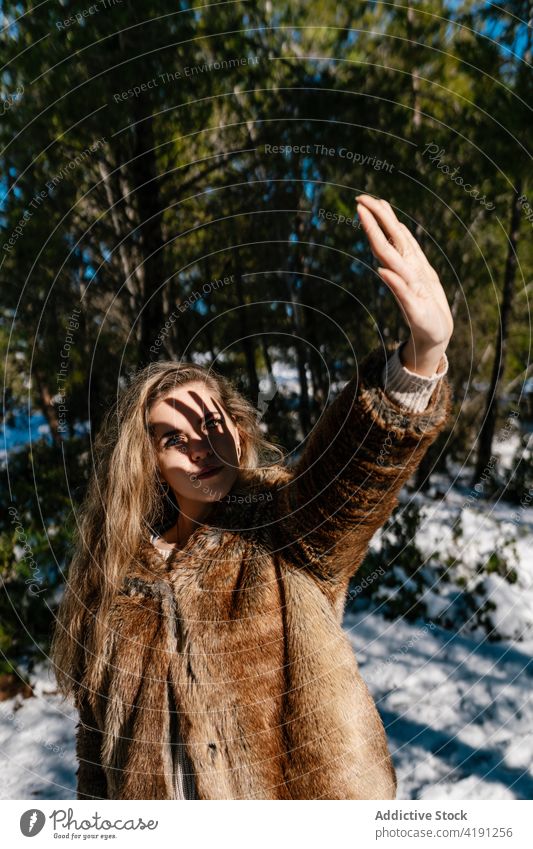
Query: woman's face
<point x="192" y="431"/>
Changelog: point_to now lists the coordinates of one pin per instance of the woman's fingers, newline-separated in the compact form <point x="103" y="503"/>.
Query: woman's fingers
<point x="413" y="265"/>
<point x="399" y="289"/>
<point x="384" y="213"/>
<point x="417" y="250"/>
<point x="381" y="248"/>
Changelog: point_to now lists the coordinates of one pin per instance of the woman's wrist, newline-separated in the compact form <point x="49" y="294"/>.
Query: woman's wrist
<point x="423" y="361"/>
<point x="410" y="390"/>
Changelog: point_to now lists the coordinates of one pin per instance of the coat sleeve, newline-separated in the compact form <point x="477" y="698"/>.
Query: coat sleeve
<point x="346" y="483"/>
<point x="91" y="780"/>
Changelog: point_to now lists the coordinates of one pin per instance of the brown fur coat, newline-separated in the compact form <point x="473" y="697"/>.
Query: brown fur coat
<point x="239" y="634"/>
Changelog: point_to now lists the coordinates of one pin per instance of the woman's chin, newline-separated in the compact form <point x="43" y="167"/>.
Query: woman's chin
<point x="214" y="488"/>
<point x="211" y="494"/>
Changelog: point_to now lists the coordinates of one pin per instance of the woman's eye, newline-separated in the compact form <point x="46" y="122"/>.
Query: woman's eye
<point x="176" y="442"/>
<point x="180" y="443"/>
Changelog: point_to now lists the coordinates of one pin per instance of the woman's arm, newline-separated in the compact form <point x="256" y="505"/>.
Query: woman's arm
<point x="356" y="460"/>
<point x="373" y="436"/>
<point x="91" y="780"/>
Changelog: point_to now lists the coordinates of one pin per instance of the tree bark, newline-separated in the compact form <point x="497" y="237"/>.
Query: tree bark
<point x="47" y="406"/>
<point x="144" y="169"/>
<point x="488" y="426"/>
<point x="247" y="340"/>
<point x="415" y="77"/>
<point x="148" y="234"/>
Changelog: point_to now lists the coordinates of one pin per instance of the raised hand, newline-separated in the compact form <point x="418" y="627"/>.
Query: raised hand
<point x="413" y="282"/>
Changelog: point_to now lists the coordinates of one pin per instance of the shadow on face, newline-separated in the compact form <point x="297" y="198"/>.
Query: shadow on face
<point x="192" y="433"/>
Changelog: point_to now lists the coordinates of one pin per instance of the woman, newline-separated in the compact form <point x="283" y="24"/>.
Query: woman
<point x="209" y="662"/>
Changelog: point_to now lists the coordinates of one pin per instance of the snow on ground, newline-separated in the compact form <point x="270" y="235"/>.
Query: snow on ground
<point x="458" y="714"/>
<point x="37" y="757"/>
<point x="485" y="528"/>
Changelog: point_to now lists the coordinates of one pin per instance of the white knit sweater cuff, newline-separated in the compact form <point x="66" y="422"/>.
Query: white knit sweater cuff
<point x="409" y="390"/>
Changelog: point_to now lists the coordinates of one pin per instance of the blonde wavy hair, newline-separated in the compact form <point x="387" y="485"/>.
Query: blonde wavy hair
<point x="125" y="501"/>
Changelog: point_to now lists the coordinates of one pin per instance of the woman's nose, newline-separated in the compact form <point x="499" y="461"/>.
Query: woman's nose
<point x="201" y="449"/>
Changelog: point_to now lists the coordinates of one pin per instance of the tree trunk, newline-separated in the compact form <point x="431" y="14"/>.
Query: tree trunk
<point x="247" y="341"/>
<point x="422" y="474"/>
<point x="318" y="373"/>
<point x="488" y="427"/>
<point x="415" y="77"/>
<point x="47" y="406"/>
<point x="119" y="224"/>
<point x="299" y="266"/>
<point x="301" y="360"/>
<point x="148" y="234"/>
<point x="144" y="169"/>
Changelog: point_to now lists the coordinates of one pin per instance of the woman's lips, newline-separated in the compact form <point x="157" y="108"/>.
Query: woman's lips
<point x="209" y="473"/>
